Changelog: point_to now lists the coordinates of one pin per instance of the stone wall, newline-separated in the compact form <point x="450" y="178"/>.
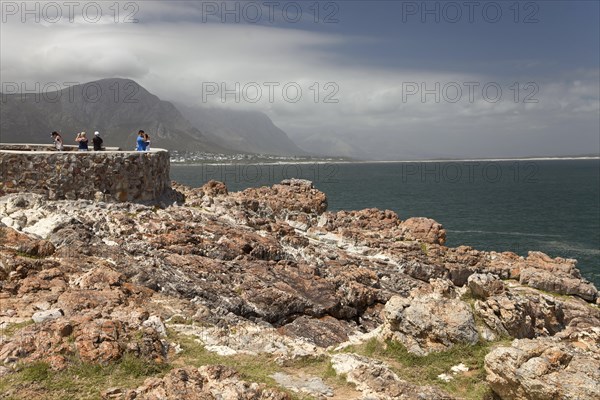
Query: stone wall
<point x="109" y="175"/>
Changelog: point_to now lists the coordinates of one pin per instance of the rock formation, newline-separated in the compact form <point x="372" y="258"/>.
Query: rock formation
<point x="566" y="366"/>
<point x="268" y="273"/>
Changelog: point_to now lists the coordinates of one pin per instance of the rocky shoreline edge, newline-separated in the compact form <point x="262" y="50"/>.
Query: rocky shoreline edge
<point x="264" y="294"/>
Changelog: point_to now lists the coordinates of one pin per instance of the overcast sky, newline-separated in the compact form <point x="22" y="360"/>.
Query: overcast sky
<point x="390" y="79"/>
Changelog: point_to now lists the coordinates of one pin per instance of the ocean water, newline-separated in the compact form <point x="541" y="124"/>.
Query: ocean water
<point x="548" y="205"/>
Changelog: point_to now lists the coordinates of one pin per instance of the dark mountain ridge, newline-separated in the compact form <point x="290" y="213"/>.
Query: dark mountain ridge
<point x="118" y="108"/>
<point x="243" y="131"/>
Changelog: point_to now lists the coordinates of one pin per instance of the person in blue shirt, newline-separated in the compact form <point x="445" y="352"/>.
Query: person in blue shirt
<point x="141" y="141"/>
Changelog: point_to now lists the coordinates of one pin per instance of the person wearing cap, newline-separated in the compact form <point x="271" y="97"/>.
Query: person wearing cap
<point x="97" y="140"/>
<point x="83" y="141"/>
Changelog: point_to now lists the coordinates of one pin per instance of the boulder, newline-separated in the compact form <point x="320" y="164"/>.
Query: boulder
<point x="563" y="367"/>
<point x="100" y="278"/>
<point x="521" y="316"/>
<point x="558" y="282"/>
<point x="214" y="188"/>
<point x="426" y="322"/>
<point x="47" y="315"/>
<point x="483" y="286"/>
<point x="156" y="323"/>
<point x="423" y="229"/>
<point x="46" y="226"/>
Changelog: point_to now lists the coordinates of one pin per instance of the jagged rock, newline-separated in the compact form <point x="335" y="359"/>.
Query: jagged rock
<point x="25" y="244"/>
<point x="378" y="382"/>
<point x="370" y="219"/>
<point x="561" y="283"/>
<point x="483" y="286"/>
<point x="263" y="271"/>
<point x="425" y="272"/>
<point x="207" y="382"/>
<point x="46" y="226"/>
<point x="92" y="341"/>
<point x="563" y="367"/>
<point x="424" y="229"/>
<point x="288" y="197"/>
<point x="428" y="322"/>
<point x="521" y="316"/>
<point x="155" y="323"/>
<point x="214" y="188"/>
<point x="39" y="248"/>
<point x="324" y="332"/>
<point x="100" y="278"/>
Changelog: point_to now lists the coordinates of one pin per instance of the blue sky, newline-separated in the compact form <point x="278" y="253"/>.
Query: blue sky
<point x="374" y="54"/>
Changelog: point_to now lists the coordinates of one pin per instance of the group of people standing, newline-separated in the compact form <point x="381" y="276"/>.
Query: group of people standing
<point x="81" y="140"/>
<point x="142" y="142"/>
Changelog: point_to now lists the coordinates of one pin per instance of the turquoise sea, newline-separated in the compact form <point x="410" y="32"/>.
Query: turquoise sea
<point x="547" y="205"/>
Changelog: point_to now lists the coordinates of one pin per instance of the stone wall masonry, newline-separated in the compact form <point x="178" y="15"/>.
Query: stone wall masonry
<point x="109" y="175"/>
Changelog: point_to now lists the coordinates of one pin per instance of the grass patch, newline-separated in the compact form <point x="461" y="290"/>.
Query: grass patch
<point x="258" y="368"/>
<point x="558" y="296"/>
<point x="424" y="370"/>
<point x="79" y="381"/>
<point x="37" y="380"/>
<point x="36" y="372"/>
<point x="424" y="248"/>
<point x="27" y="255"/>
<point x="468" y="297"/>
<point x="11" y="329"/>
<point x="251" y="368"/>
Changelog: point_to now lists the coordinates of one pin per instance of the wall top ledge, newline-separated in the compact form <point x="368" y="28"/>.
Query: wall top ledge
<point x="29" y="148"/>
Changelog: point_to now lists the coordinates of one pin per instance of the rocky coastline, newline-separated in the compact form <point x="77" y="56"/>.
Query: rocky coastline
<point x="264" y="294"/>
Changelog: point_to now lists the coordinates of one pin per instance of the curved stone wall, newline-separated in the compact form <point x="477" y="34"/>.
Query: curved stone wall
<point x="109" y="175"/>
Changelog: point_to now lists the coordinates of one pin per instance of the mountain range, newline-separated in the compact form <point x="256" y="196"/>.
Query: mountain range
<point x="118" y="108"/>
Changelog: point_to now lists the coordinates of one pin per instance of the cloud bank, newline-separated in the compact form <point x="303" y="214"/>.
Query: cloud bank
<point x="313" y="89"/>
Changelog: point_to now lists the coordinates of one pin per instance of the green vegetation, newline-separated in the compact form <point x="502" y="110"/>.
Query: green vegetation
<point x="12" y="328"/>
<point x="80" y="380"/>
<point x="424" y="370"/>
<point x="27" y="255"/>
<point x="558" y="296"/>
<point x="86" y="381"/>
<point x="424" y="248"/>
<point x="258" y="368"/>
<point x="36" y="372"/>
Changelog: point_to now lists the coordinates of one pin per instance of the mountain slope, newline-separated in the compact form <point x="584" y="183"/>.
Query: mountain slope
<point x="118" y="108"/>
<point x="246" y="131"/>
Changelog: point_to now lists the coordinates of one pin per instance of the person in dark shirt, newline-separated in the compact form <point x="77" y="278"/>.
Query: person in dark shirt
<point x="97" y="141"/>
